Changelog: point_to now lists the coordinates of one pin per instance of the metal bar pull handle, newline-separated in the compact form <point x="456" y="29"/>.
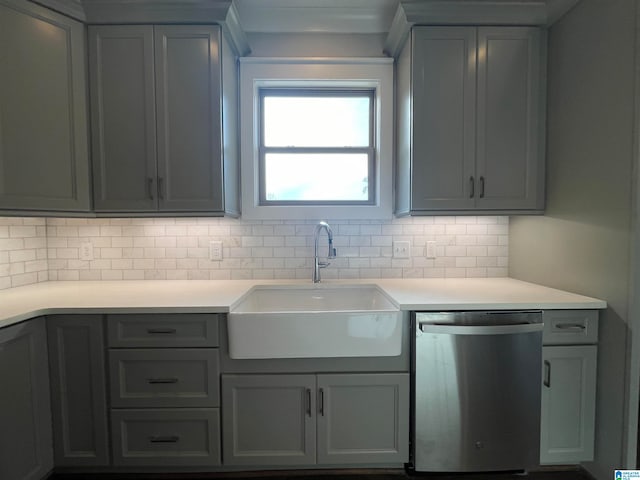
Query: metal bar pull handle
<point x="308" y="401"/>
<point x="161" y="188"/>
<point x="161" y="331"/>
<point x="481" y="187"/>
<point x="472" y="187"/>
<point x="150" y="187"/>
<point x="570" y="326"/>
<point x="321" y="402"/>
<point x="164" y="439"/>
<point x="162" y="380"/>
<point x="547" y="374"/>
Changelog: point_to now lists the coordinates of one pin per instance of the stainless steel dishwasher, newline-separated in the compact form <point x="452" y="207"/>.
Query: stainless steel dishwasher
<point x="476" y="404"/>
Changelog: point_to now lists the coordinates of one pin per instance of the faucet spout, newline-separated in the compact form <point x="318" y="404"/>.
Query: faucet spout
<point x="317" y="264"/>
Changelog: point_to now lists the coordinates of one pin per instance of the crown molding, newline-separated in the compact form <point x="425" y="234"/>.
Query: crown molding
<point x="155" y="11"/>
<point x="541" y="13"/>
<point x="70" y="8"/>
<point x="233" y="30"/>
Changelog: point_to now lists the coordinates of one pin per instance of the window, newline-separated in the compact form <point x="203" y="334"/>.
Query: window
<point x="316" y="138"/>
<point x="317" y="146"/>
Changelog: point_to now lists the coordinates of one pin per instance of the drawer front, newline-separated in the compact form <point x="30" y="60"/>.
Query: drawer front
<point x="163" y="330"/>
<point x="168" y="377"/>
<point x="568" y="327"/>
<point x="179" y="437"/>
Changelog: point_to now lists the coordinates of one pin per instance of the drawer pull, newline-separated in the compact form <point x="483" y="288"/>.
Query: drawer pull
<point x="161" y="331"/>
<point x="570" y="326"/>
<point x="164" y="439"/>
<point x="308" y="401"/>
<point x="321" y="402"/>
<point x="162" y="380"/>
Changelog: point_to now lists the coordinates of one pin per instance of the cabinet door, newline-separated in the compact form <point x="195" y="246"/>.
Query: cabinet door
<point x="25" y="411"/>
<point x="268" y="419"/>
<point x="510" y="163"/>
<point x="123" y="122"/>
<point x="568" y="404"/>
<point x="78" y="397"/>
<point x="444" y="108"/>
<point x="44" y="158"/>
<point x="363" y="418"/>
<point x="188" y="99"/>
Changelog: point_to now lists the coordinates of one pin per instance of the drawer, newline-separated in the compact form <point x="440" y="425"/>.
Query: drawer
<point x="163" y="330"/>
<point x="165" y="377"/>
<point x="567" y="327"/>
<point x="179" y="437"/>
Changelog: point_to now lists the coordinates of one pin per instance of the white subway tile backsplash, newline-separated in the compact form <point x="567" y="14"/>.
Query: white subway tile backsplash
<point x="38" y="249"/>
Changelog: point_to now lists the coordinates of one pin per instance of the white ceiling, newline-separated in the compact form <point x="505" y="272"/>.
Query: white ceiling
<point x="322" y="16"/>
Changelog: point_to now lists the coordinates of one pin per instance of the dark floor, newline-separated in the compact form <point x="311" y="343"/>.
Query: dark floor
<point x="357" y="474"/>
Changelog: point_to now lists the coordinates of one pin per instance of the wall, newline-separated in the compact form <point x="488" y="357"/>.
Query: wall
<point x="23" y="251"/>
<point x="582" y="244"/>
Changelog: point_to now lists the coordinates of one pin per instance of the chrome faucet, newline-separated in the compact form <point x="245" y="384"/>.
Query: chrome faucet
<point x="317" y="264"/>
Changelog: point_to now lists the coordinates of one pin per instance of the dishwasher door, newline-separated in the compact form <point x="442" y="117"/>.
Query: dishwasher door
<point x="477" y="391"/>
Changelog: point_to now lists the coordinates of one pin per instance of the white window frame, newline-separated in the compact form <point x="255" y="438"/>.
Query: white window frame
<point x="355" y="73"/>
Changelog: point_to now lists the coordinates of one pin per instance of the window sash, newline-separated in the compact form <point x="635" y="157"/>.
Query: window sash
<point x="368" y="150"/>
<point x="371" y="177"/>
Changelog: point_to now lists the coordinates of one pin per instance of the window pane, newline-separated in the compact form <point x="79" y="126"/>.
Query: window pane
<point x="313" y="121"/>
<point x="316" y="177"/>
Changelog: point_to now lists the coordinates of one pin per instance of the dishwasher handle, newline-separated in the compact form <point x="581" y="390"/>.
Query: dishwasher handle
<point x="448" y="329"/>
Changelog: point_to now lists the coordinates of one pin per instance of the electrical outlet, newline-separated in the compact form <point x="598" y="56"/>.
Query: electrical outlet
<point x="86" y="251"/>
<point x="430" y="250"/>
<point x="401" y="249"/>
<point x="215" y="250"/>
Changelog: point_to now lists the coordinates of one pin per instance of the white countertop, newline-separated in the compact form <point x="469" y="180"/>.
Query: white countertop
<point x="202" y="296"/>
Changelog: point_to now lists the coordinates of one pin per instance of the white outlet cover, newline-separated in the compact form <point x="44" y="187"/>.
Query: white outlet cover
<point x="215" y="250"/>
<point x="402" y="249"/>
<point x="430" y="250"/>
<point x="86" y="251"/>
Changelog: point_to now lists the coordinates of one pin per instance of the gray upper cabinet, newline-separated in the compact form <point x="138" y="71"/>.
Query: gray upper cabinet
<point x="25" y="410"/>
<point x="471" y="120"/>
<point x="44" y="159"/>
<point x="78" y="390"/>
<point x="157" y="119"/>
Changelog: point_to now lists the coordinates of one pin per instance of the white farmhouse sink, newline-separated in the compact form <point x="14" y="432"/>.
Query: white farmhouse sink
<point x="310" y="321"/>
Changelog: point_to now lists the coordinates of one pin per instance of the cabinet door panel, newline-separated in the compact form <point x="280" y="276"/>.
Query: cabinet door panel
<point x="444" y="102"/>
<point x="189" y="118"/>
<point x="568" y="404"/>
<point x="44" y="158"/>
<point x="269" y="419"/>
<point x="78" y="390"/>
<point x="123" y="118"/>
<point x="349" y="433"/>
<point x="25" y="410"/>
<point x="509" y="116"/>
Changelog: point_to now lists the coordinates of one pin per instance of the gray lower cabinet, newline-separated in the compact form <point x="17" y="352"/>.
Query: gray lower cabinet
<point x="171" y="437"/>
<point x="164" y="389"/>
<point x="315" y="419"/>
<point x="470" y="122"/>
<point x="159" y="131"/>
<point x="25" y="411"/>
<point x="78" y="390"/>
<point x="164" y="377"/>
<point x="363" y="419"/>
<point x="44" y="158"/>
<point x="568" y="404"/>
<point x="569" y="355"/>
